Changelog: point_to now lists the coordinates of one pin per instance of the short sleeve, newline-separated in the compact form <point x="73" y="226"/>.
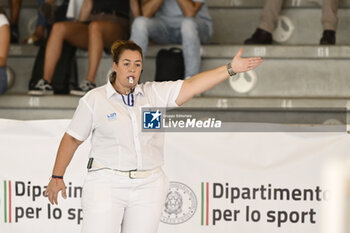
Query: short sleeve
<point x="81" y="123"/>
<point x="3" y="20"/>
<point x="167" y="92"/>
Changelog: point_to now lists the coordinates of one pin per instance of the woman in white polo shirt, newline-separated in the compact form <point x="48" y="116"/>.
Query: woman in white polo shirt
<point x="125" y="188"/>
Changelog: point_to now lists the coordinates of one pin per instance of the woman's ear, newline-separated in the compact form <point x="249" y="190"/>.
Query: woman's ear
<point x="114" y="67"/>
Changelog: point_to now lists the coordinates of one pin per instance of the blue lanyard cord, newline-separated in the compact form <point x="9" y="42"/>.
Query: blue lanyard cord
<point x="129" y="103"/>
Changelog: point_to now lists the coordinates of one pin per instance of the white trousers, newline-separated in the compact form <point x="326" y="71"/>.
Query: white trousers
<point x="113" y="204"/>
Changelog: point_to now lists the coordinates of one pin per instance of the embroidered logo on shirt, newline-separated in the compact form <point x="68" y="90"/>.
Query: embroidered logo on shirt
<point x="112" y="116"/>
<point x="152" y="119"/>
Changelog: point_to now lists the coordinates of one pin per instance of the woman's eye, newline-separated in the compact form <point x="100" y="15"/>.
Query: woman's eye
<point x="126" y="64"/>
<point x="138" y="65"/>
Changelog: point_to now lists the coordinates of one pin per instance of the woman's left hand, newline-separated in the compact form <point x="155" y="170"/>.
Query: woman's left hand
<point x="240" y="64"/>
<point x="54" y="186"/>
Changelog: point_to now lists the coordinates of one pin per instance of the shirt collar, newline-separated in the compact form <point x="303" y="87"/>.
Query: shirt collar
<point x="110" y="91"/>
<point x="138" y="89"/>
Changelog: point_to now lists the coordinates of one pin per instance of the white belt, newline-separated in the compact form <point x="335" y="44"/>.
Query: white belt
<point x="132" y="174"/>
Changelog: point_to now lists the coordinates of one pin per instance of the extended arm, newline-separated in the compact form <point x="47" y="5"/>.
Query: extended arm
<point x="206" y="80"/>
<point x="150" y="7"/>
<point x="65" y="153"/>
<point x="189" y="7"/>
<point x="85" y="10"/>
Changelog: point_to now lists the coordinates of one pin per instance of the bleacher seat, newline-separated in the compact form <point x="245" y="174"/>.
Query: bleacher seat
<point x="296" y="73"/>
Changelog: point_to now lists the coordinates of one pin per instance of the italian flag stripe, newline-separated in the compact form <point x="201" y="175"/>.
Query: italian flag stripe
<point x="10" y="202"/>
<point x="5" y="201"/>
<point x="205" y="203"/>
<point x="202" y="204"/>
<point x="207" y="222"/>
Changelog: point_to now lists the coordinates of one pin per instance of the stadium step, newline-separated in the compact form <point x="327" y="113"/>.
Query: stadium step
<point x="326" y="110"/>
<point x="288" y="71"/>
<point x="297" y="72"/>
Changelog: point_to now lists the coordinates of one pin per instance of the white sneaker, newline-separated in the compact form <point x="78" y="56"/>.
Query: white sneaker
<point x="84" y="87"/>
<point x="42" y="87"/>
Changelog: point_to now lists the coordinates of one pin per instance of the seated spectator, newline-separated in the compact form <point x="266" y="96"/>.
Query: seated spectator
<point x="268" y="21"/>
<point x="101" y="22"/>
<point x="4" y="46"/>
<point x="169" y="21"/>
<point x="44" y="14"/>
<point x="45" y="18"/>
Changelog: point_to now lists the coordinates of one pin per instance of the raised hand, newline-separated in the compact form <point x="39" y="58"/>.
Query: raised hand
<point x="240" y="64"/>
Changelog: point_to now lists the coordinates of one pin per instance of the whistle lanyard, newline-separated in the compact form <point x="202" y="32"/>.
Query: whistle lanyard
<point x="130" y="100"/>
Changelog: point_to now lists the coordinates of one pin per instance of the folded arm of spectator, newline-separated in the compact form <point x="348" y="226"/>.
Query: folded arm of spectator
<point x="189" y="7"/>
<point x="85" y="10"/>
<point x="150" y="7"/>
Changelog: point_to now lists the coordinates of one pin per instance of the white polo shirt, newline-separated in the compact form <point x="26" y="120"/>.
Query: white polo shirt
<point x="117" y="140"/>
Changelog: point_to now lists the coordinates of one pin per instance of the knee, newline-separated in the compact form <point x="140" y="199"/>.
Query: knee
<point x="94" y="27"/>
<point x="189" y="27"/>
<point x="59" y="29"/>
<point x="140" y="24"/>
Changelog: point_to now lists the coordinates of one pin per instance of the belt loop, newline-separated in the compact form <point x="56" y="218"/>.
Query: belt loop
<point x="130" y="174"/>
<point x="89" y="165"/>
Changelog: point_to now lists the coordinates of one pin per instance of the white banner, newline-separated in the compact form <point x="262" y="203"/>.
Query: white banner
<point x="221" y="182"/>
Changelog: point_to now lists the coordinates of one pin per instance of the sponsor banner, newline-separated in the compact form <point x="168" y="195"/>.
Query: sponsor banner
<point x="249" y="182"/>
<point x="220" y="182"/>
<point x="27" y="156"/>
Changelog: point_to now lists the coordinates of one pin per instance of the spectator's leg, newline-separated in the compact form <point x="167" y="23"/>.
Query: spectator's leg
<point x="193" y="32"/>
<point x="329" y="14"/>
<point x="74" y="33"/>
<point x="101" y="34"/>
<point x="3" y="79"/>
<point x="46" y="8"/>
<point x="329" y="21"/>
<point x="268" y="21"/>
<point x="41" y="19"/>
<point x="270" y="15"/>
<point x="4" y="45"/>
<point x="144" y="28"/>
<point x="39" y="33"/>
<point x="15" y="7"/>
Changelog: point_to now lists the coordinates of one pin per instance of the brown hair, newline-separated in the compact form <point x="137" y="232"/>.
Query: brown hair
<point x="118" y="47"/>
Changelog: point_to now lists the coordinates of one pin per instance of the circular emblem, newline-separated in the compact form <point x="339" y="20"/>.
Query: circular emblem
<point x="180" y="204"/>
<point x="32" y="24"/>
<point x="245" y="82"/>
<point x="10" y="77"/>
<point x="284" y="29"/>
<point x="332" y="121"/>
